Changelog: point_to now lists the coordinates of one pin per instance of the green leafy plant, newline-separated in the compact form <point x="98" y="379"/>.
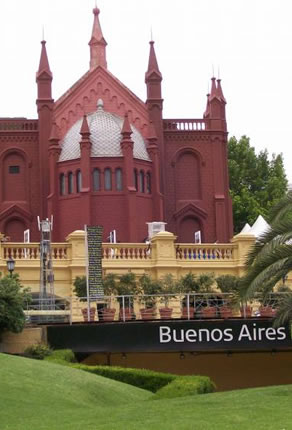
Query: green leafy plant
<point x="147" y="288"/>
<point x="80" y="288"/>
<point x="61" y="356"/>
<point x="38" y="351"/>
<point x="13" y="299"/>
<point x="169" y="289"/>
<point x="185" y="386"/>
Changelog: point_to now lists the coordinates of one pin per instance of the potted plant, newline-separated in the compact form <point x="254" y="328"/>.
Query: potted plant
<point x="187" y="285"/>
<point x="80" y="290"/>
<point x="147" y="289"/>
<point x="168" y="291"/>
<point x="228" y="285"/>
<point x="209" y="299"/>
<point x="126" y="288"/>
<point x="109" y="288"/>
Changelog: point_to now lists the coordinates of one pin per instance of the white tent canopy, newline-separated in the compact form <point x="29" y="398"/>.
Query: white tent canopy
<point x="259" y="227"/>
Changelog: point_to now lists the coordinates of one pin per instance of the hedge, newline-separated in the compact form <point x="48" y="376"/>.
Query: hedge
<point x="62" y="356"/>
<point x="142" y="378"/>
<point x="165" y="385"/>
<point x="185" y="386"/>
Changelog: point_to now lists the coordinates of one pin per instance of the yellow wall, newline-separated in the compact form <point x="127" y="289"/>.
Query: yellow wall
<point x="164" y="256"/>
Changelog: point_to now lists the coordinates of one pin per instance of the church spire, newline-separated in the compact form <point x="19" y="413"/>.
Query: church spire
<point x="44" y="62"/>
<point x="97" y="44"/>
<point x="152" y="63"/>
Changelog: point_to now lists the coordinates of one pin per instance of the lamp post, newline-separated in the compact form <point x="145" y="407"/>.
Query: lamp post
<point x="10" y="265"/>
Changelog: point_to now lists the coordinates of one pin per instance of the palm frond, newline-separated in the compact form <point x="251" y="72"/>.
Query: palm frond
<point x="284" y="311"/>
<point x="282" y="208"/>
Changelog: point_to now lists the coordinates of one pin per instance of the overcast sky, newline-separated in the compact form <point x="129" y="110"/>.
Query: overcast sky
<point x="249" y="41"/>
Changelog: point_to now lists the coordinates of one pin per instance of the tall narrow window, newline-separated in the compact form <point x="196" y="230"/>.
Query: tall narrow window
<point x="142" y="183"/>
<point x="78" y="181"/>
<point x="70" y="183"/>
<point x="148" y="183"/>
<point x="119" y="180"/>
<point x="96" y="180"/>
<point x="136" y="179"/>
<point x="107" y="179"/>
<point x="62" y="184"/>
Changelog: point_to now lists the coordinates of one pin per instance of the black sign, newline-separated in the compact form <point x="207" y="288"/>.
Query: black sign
<point x="94" y="244"/>
<point x="158" y="336"/>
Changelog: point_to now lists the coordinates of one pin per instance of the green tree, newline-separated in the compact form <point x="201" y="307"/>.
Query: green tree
<point x="13" y="298"/>
<point x="256" y="182"/>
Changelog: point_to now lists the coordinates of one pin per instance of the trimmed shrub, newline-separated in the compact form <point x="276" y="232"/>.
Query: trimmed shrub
<point x="185" y="386"/>
<point x="38" y="351"/>
<point x="142" y="378"/>
<point x="62" y="356"/>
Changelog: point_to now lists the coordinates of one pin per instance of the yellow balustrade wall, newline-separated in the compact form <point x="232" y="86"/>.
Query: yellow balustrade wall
<point x="163" y="255"/>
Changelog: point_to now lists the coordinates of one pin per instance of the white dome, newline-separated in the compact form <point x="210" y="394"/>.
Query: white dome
<point x="105" y="137"/>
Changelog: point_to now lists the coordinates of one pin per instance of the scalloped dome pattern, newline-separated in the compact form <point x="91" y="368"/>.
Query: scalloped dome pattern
<point x="105" y="129"/>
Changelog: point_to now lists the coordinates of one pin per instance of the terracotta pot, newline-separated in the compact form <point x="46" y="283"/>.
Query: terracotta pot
<point x="147" y="313"/>
<point x="185" y="312"/>
<point x="267" y="311"/>
<point x="209" y="312"/>
<point x="225" y="312"/>
<point x="247" y="310"/>
<point x="108" y="314"/>
<point x="128" y="314"/>
<point x="165" y="313"/>
<point x="91" y="314"/>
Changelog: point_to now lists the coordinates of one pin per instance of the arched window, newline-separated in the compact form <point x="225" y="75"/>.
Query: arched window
<point x="148" y="183"/>
<point x="62" y="184"/>
<point x="78" y="181"/>
<point x="119" y="179"/>
<point x="70" y="183"/>
<point x="136" y="179"/>
<point x="142" y="182"/>
<point x="107" y="179"/>
<point x="96" y="180"/>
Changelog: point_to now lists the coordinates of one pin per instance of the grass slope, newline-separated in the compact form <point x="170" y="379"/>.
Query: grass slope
<point x="40" y="393"/>
<point x="37" y="395"/>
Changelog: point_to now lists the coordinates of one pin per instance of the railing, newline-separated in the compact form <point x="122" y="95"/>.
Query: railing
<point x="49" y="310"/>
<point x="15" y="124"/>
<point x="185" y="124"/>
<point x="139" y="251"/>
<point x="31" y="251"/>
<point x="125" y="308"/>
<point x="204" y="252"/>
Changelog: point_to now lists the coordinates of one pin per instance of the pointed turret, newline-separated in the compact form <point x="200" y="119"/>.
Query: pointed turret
<point x="44" y="66"/>
<point x="207" y="111"/>
<point x="213" y="89"/>
<point x="44" y="75"/>
<point x="126" y="130"/>
<point x="154" y="102"/>
<point x="84" y="131"/>
<point x="97" y="44"/>
<point x="152" y="63"/>
<point x="45" y="105"/>
<point x="215" y="110"/>
<point x="219" y="91"/>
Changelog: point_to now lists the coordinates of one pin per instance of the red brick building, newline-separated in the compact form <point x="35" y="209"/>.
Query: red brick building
<point x="100" y="155"/>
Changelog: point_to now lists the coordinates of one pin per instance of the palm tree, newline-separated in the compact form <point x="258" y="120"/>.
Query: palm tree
<point x="270" y="259"/>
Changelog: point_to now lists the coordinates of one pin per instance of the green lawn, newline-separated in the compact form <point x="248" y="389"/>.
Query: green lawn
<point x="36" y="395"/>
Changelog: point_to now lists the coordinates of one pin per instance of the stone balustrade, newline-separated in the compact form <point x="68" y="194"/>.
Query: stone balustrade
<point x="163" y="255"/>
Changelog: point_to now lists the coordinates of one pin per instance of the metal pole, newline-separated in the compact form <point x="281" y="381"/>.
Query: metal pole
<point x="87" y="281"/>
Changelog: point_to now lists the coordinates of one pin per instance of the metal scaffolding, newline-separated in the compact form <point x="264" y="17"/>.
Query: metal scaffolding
<point x="47" y="294"/>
